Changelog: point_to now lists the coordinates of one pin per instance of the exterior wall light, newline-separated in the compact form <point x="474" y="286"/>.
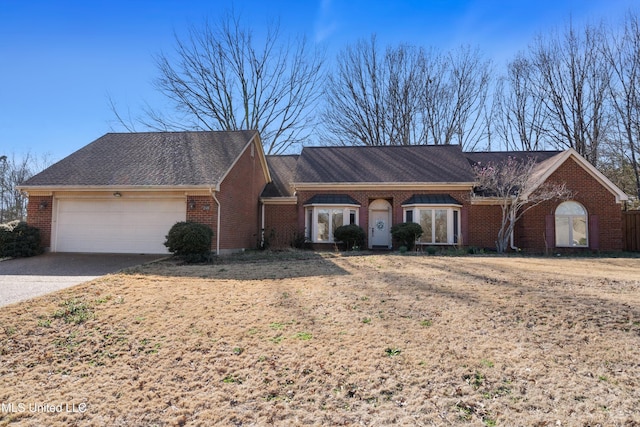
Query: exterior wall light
<point x="192" y="205"/>
<point x="43" y="205"/>
<point x="117" y="194"/>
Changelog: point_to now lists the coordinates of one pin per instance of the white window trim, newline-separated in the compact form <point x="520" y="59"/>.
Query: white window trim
<point x="571" y="217"/>
<point x="313" y="227"/>
<point x="416" y="208"/>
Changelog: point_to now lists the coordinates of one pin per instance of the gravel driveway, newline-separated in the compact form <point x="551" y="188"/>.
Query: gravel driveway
<point x="25" y="278"/>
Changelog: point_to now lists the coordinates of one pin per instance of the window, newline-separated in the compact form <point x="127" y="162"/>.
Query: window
<point x="440" y="225"/>
<point x="437" y="214"/>
<point x="571" y="225"/>
<point x="322" y="221"/>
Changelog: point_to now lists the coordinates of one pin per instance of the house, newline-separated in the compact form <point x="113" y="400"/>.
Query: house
<point x="122" y="193"/>
<point x="376" y="187"/>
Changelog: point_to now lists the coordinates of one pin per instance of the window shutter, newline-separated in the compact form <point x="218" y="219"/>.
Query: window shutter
<point x="594" y="232"/>
<point x="550" y="231"/>
<point x="464" y="225"/>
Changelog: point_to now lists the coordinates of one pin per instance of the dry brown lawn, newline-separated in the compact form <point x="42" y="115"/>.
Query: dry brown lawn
<point x="328" y="339"/>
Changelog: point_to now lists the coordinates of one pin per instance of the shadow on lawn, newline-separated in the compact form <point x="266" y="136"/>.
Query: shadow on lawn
<point x="551" y="295"/>
<point x="258" y="265"/>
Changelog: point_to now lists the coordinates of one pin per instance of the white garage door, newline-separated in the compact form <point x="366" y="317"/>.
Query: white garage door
<point x="115" y="225"/>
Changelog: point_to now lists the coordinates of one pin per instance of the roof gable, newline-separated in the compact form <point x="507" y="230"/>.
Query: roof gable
<point x="544" y="169"/>
<point x="149" y="159"/>
<point x="385" y="164"/>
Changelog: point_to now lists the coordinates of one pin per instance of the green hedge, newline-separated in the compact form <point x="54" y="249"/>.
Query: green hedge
<point x="17" y="239"/>
<point x="351" y="235"/>
<point x="190" y="240"/>
<point x="407" y="233"/>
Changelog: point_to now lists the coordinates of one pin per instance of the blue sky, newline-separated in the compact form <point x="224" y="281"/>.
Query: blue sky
<point x="60" y="60"/>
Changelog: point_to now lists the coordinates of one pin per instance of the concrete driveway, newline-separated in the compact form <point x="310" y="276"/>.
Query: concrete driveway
<point x="25" y="278"/>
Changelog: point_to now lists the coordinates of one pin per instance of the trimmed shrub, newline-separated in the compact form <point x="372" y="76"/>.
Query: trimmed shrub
<point x="18" y="239"/>
<point x="351" y="235"/>
<point x="190" y="241"/>
<point x="406" y="233"/>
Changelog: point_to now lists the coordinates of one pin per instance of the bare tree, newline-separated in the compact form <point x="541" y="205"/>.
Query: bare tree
<point x="455" y="93"/>
<point x="373" y="97"/>
<point x="222" y="78"/>
<point x="355" y="112"/>
<point x="572" y="78"/>
<point x="511" y="182"/>
<point x="623" y="54"/>
<point x="520" y="116"/>
<point x="13" y="172"/>
<point x="406" y="95"/>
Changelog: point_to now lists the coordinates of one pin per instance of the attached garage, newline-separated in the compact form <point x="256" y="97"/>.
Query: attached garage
<point x="114" y="224"/>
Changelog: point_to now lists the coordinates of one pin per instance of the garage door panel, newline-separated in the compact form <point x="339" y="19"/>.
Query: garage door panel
<point x="120" y="225"/>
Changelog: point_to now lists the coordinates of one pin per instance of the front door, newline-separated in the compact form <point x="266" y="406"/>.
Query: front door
<point x="380" y="224"/>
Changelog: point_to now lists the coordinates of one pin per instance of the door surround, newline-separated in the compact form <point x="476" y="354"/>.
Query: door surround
<point x="379" y="227"/>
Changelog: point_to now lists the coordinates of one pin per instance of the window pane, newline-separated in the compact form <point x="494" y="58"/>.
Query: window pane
<point x="570" y="208"/>
<point x="441" y="225"/>
<point x="352" y="217"/>
<point x="425" y="223"/>
<point x="409" y="216"/>
<point x="337" y="220"/>
<point x="309" y="224"/>
<point x="323" y="225"/>
<point x="562" y="231"/>
<point x="579" y="231"/>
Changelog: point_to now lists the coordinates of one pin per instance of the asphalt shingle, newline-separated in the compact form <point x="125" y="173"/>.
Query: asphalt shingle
<point x="417" y="163"/>
<point x="148" y="159"/>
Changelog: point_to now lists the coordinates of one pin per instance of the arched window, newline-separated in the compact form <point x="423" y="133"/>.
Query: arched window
<point x="571" y="225"/>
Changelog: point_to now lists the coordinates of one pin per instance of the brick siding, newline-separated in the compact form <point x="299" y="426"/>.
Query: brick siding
<point x="41" y="217"/>
<point x="597" y="200"/>
<point x="281" y="225"/>
<point x="364" y="198"/>
<point x="239" y="195"/>
<point x="480" y="223"/>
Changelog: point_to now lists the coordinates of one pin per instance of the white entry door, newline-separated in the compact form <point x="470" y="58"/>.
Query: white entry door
<point x="380" y="224"/>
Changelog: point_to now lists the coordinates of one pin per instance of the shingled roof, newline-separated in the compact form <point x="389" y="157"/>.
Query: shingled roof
<point x="148" y="159"/>
<point x="389" y="164"/>
<point x="484" y="157"/>
<point x="282" y="169"/>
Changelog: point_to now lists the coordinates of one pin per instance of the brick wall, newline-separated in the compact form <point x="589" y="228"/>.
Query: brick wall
<point x="239" y="194"/>
<point x="530" y="231"/>
<point x="480" y="223"/>
<point x="395" y="198"/>
<point x="597" y="200"/>
<point x="41" y="217"/>
<point x="483" y="225"/>
<point x="204" y="210"/>
<point x="281" y="225"/>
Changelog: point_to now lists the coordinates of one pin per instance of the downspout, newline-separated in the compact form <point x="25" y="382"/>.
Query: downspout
<point x="213" y="194"/>
<point x="262" y="225"/>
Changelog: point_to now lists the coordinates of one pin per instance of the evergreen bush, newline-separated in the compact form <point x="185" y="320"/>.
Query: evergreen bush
<point x="18" y="239"/>
<point x="190" y="241"/>
<point x="406" y="233"/>
<point x="351" y="235"/>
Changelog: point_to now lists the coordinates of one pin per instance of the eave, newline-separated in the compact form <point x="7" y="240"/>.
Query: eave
<point x="384" y="186"/>
<point x="48" y="190"/>
<point x="279" y="200"/>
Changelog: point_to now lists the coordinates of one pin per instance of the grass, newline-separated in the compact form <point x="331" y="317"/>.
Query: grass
<point x="333" y="340"/>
